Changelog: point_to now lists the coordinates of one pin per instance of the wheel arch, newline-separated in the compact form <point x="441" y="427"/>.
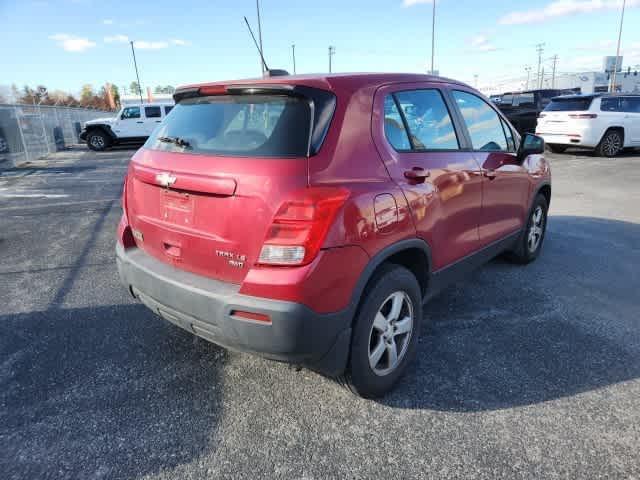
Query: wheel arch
<point x="617" y="127"/>
<point x="545" y="190"/>
<point x="413" y="254"/>
<point x="103" y="128"/>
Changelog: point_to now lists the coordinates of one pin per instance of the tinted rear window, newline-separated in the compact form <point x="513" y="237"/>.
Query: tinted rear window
<point x="569" y="104"/>
<point x="237" y="125"/>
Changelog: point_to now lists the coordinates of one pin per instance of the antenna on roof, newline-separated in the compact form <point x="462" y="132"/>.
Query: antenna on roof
<point x="256" y="44"/>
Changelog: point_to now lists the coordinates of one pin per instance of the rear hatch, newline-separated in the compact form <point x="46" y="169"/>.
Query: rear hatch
<point x="203" y="190"/>
<point x="558" y="114"/>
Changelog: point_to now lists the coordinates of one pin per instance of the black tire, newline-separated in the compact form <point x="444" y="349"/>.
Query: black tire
<point x="611" y="144"/>
<point x="98" y="141"/>
<point x="390" y="282"/>
<point x="557" y="148"/>
<point x="4" y="146"/>
<point x="523" y="252"/>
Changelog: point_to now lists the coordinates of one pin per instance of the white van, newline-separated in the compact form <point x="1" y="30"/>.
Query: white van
<point x="606" y="122"/>
<point x="132" y="124"/>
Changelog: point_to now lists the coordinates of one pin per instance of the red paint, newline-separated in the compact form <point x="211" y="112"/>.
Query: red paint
<point x="218" y="212"/>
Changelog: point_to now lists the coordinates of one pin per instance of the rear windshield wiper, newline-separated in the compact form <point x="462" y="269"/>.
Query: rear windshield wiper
<point x="181" y="142"/>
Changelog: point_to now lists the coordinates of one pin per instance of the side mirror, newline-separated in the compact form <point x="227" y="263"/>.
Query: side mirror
<point x="530" y="145"/>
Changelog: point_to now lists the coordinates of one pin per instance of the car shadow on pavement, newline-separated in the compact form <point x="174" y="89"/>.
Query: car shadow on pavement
<point x="103" y="392"/>
<point x="512" y="335"/>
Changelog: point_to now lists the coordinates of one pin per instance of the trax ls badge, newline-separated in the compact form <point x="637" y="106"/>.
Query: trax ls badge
<point x="165" y="179"/>
<point x="235" y="260"/>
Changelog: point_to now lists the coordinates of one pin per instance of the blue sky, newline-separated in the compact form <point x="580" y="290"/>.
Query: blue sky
<point x="66" y="43"/>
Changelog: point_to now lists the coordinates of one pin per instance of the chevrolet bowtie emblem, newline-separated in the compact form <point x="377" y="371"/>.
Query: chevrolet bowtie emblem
<point x="165" y="179"/>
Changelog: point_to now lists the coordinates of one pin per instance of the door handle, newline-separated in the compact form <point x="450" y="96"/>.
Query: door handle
<point x="416" y="174"/>
<point x="139" y="122"/>
<point x="158" y="121"/>
<point x="490" y="174"/>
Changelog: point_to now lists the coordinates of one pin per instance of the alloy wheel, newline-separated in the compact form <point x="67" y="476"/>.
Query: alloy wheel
<point x="390" y="333"/>
<point x="536" y="229"/>
<point x="611" y="144"/>
<point x="97" y="141"/>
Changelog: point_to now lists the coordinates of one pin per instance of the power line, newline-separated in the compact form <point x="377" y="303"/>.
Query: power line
<point x="135" y="64"/>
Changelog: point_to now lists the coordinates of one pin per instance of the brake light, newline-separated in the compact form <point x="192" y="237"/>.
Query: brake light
<point x="213" y="90"/>
<point x="300" y="226"/>
<point x="124" y="197"/>
<point x="583" y="115"/>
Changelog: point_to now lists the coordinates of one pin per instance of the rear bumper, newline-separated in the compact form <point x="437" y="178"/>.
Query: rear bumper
<point x="204" y="307"/>
<point x="582" y="139"/>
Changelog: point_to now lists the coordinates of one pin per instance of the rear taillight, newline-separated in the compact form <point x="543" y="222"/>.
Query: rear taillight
<point x="583" y="115"/>
<point x="300" y="226"/>
<point x="124" y="196"/>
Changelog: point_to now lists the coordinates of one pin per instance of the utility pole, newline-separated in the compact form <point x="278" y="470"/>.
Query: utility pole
<point x="135" y="64"/>
<point x="539" y="49"/>
<point x="528" y="70"/>
<point x="542" y="78"/>
<point x="553" y="74"/>
<point x="615" y="68"/>
<point x="293" y="54"/>
<point x="433" y="37"/>
<point x="332" y="51"/>
<point x="260" y="35"/>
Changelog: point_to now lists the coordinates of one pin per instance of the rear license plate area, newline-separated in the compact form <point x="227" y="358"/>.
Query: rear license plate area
<point x="177" y="207"/>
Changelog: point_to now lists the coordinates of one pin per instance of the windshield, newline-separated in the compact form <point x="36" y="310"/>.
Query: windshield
<point x="569" y="104"/>
<point x="236" y="125"/>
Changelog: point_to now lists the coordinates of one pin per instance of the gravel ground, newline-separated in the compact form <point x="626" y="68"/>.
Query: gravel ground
<point x="524" y="372"/>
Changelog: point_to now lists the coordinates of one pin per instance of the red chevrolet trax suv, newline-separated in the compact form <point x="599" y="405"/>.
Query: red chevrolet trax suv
<point x="308" y="218"/>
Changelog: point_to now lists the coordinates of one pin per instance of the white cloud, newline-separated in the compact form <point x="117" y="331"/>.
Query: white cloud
<point x="482" y="44"/>
<point x="107" y="21"/>
<point x="411" y="3"/>
<point x="179" y="42"/>
<point x="561" y="8"/>
<point x="71" y="43"/>
<point x="145" y="45"/>
<point x="116" y="39"/>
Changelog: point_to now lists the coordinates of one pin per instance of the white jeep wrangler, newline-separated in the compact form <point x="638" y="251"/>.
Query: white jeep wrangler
<point x="132" y="124"/>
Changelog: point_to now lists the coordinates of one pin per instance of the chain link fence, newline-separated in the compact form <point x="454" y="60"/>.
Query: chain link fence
<point x="28" y="132"/>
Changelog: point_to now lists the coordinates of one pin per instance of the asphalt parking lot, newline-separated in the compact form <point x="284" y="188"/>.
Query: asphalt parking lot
<point x="525" y="372"/>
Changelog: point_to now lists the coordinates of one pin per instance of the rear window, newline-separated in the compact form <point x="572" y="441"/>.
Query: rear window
<point x="237" y="125"/>
<point x="569" y="104"/>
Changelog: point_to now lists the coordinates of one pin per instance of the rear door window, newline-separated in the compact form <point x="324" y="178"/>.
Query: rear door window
<point x="483" y="123"/>
<point x="630" y="104"/>
<point x="167" y="109"/>
<point x="237" y="125"/>
<point x="394" y="125"/>
<point x="152" y="112"/>
<point x="428" y="120"/>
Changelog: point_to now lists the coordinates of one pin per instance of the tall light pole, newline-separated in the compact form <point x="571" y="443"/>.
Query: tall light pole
<point x="135" y="64"/>
<point x="539" y="49"/>
<point x="433" y="37"/>
<point x="332" y="51"/>
<point x="293" y="54"/>
<point x="260" y="35"/>
<point x="615" y="68"/>
<point x="528" y="70"/>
